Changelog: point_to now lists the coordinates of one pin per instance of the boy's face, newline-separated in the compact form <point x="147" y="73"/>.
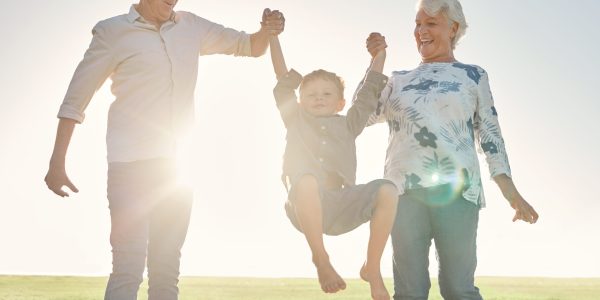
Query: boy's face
<point x="321" y="98"/>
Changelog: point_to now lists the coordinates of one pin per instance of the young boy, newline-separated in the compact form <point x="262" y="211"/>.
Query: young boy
<point x="320" y="164"/>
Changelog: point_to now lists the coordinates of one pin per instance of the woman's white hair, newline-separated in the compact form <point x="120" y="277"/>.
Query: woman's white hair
<point x="449" y="8"/>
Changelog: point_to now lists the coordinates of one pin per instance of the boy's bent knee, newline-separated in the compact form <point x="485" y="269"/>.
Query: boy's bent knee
<point x="306" y="188"/>
<point x="387" y="194"/>
<point x="307" y="181"/>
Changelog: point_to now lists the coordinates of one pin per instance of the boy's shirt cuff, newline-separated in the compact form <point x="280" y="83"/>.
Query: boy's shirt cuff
<point x="291" y="80"/>
<point x="377" y="79"/>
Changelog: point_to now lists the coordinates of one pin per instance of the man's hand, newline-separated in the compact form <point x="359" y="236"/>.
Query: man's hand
<point x="523" y="211"/>
<point x="272" y="21"/>
<point x="56" y="178"/>
<point x="376" y="44"/>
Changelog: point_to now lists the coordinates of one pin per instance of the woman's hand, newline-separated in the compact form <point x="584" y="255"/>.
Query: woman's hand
<point x="376" y="44"/>
<point x="523" y="210"/>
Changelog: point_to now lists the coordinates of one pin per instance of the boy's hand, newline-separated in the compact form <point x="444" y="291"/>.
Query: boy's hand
<point x="376" y="44"/>
<point x="272" y="21"/>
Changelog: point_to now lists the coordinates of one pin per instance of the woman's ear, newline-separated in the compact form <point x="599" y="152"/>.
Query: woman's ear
<point x="454" y="29"/>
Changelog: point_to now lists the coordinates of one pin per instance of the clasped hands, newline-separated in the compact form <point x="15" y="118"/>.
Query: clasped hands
<point x="272" y="21"/>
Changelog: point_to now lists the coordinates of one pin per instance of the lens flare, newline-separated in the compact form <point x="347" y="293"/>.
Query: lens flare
<point x="449" y="189"/>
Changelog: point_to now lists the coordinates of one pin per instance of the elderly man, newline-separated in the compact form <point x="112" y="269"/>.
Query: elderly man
<point x="151" y="55"/>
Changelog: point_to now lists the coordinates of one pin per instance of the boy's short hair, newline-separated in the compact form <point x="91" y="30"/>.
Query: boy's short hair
<point x="325" y="75"/>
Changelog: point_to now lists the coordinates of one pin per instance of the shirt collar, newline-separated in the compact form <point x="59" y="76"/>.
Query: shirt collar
<point x="134" y="15"/>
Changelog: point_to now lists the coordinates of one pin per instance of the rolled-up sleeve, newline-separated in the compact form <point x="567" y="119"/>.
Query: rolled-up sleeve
<point x="218" y="39"/>
<point x="487" y="129"/>
<point x="91" y="73"/>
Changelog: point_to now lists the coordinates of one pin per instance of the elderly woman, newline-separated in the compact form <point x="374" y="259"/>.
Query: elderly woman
<point x="436" y="114"/>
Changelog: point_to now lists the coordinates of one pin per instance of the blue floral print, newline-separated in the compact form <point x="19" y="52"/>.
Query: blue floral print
<point x="436" y="114"/>
<point x="421" y="86"/>
<point x="472" y="71"/>
<point x="412" y="181"/>
<point x="426" y="138"/>
<point x="470" y="126"/>
<point x="489" y="147"/>
<point x="447" y="86"/>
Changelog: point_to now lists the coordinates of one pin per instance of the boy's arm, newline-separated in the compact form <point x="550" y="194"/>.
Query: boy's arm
<point x="276" y="53"/>
<point x="277" y="58"/>
<point x="287" y="83"/>
<point x="369" y="92"/>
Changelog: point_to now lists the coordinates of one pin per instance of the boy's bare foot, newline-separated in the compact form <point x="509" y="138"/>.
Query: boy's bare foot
<point x="378" y="290"/>
<point x="330" y="280"/>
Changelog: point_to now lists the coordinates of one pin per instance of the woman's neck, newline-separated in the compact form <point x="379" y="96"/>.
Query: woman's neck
<point x="444" y="59"/>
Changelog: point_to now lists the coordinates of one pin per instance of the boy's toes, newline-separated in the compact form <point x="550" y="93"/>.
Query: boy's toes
<point x="329" y="279"/>
<point x="334" y="286"/>
<point x="378" y="290"/>
<point x="342" y="285"/>
<point x="331" y="288"/>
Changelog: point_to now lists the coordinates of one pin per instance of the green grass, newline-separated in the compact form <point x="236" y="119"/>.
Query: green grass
<point x="206" y="288"/>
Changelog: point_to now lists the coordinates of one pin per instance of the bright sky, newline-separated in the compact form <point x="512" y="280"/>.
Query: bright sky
<point x="542" y="57"/>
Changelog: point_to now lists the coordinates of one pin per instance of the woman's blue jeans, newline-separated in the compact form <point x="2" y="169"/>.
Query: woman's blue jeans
<point x="441" y="214"/>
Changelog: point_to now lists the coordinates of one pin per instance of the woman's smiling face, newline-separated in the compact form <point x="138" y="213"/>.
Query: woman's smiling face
<point x="433" y="35"/>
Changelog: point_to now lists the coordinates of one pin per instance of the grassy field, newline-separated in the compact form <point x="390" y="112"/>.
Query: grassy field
<point x="204" y="288"/>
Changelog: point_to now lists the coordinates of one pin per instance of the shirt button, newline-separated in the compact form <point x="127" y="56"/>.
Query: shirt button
<point x="321" y="159"/>
<point x="324" y="142"/>
<point x="323" y="127"/>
